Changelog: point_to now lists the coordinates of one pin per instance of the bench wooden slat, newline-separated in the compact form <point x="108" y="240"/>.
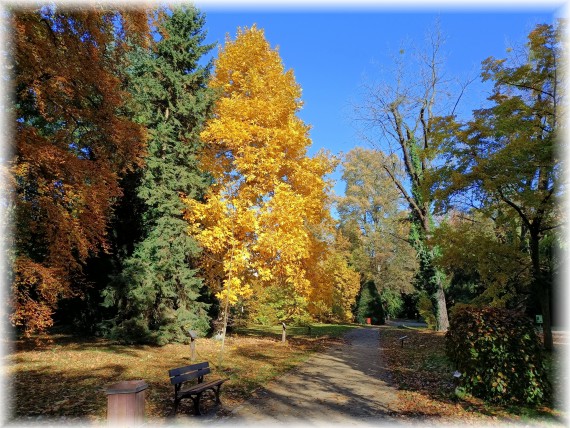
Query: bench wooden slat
<point x="189" y="376"/>
<point x="185" y="369"/>
<point x="200" y="387"/>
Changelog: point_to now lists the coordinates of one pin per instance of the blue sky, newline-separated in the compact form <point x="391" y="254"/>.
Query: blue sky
<point x="333" y="51"/>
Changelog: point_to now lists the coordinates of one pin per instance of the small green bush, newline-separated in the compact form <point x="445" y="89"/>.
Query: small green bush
<point x="499" y="356"/>
<point x="136" y="330"/>
<point x="131" y="331"/>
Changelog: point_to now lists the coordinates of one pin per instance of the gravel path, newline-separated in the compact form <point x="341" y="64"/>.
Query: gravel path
<point x="345" y="386"/>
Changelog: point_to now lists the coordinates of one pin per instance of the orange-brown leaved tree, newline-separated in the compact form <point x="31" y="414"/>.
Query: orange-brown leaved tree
<point x="73" y="140"/>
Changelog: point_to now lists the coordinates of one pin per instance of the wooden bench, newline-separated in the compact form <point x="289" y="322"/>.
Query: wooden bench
<point x="181" y="375"/>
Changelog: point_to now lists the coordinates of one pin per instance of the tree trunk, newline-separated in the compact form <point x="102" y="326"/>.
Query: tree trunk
<point x="438" y="298"/>
<point x="544" y="299"/>
<point x="442" y="320"/>
<point x="224" y="330"/>
<point x="541" y="288"/>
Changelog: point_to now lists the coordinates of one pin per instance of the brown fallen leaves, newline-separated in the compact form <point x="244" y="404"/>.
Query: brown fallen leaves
<point x="424" y="377"/>
<point x="61" y="377"/>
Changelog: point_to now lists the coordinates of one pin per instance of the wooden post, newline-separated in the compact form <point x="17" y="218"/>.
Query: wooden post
<point x="125" y="403"/>
<point x="193" y="336"/>
<point x="284" y="334"/>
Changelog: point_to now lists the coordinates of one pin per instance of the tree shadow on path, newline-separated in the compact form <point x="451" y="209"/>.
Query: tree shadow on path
<point x="345" y="384"/>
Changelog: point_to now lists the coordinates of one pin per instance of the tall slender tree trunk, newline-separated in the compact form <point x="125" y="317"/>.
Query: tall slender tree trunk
<point x="438" y="297"/>
<point x="224" y="330"/>
<point x="442" y="319"/>
<point x="541" y="289"/>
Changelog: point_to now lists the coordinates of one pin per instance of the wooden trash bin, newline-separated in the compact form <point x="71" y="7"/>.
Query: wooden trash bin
<point x="125" y="403"/>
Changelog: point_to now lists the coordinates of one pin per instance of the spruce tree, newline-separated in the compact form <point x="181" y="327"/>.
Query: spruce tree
<point x="158" y="295"/>
<point x="369" y="305"/>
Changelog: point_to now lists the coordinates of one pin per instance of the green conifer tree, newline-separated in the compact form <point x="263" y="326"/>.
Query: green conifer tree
<point x="369" y="305"/>
<point x="158" y="295"/>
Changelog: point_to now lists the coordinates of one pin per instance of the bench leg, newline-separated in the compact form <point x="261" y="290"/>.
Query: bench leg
<point x="217" y="392"/>
<point x="196" y="401"/>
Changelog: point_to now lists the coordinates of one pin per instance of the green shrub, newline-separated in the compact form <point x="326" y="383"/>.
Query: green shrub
<point x="459" y="307"/>
<point x="301" y="320"/>
<point x="131" y="331"/>
<point x="499" y="355"/>
<point x="425" y="309"/>
<point x="393" y="302"/>
<point x="265" y="320"/>
<point x="275" y="304"/>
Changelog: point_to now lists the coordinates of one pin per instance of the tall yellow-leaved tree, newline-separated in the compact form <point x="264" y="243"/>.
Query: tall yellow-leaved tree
<point x="258" y="221"/>
<point x="335" y="284"/>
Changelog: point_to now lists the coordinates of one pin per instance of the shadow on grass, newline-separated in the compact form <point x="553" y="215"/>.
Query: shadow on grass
<point x="254" y="354"/>
<point x="55" y="393"/>
<point x="77" y="343"/>
<point x="72" y="394"/>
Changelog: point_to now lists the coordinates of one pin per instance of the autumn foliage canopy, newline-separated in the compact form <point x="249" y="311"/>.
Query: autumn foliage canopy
<point x="265" y="221"/>
<point x="149" y="186"/>
<point x="72" y="143"/>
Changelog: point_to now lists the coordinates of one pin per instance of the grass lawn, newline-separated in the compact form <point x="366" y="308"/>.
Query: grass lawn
<point x="63" y="376"/>
<point x="424" y="378"/>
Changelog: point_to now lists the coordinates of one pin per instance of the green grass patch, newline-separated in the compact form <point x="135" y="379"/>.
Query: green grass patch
<point x="330" y="331"/>
<point x="408" y="327"/>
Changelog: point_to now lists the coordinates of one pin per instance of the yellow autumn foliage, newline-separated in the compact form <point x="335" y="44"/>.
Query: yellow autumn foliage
<point x="257" y="223"/>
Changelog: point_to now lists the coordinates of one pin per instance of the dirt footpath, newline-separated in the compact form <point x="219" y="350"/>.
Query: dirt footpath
<point x="345" y="385"/>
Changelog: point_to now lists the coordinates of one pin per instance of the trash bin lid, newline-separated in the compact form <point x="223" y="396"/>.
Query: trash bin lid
<point x="127" y="387"/>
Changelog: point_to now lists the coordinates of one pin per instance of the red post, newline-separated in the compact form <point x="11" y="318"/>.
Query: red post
<point x="125" y="403"/>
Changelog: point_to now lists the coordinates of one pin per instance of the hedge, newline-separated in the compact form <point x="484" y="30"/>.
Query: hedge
<point x="499" y="356"/>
